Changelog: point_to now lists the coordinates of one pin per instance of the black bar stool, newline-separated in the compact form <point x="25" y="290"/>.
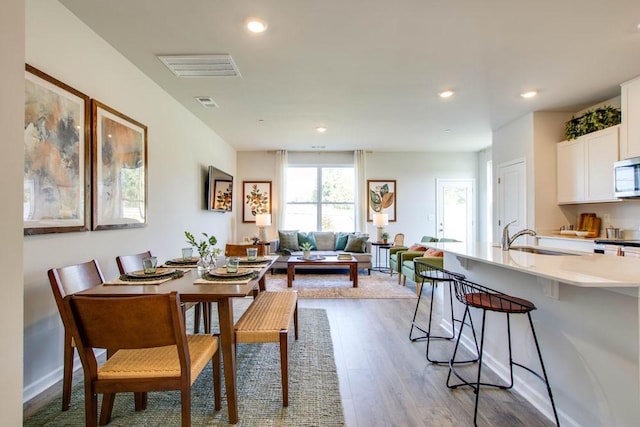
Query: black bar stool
<point x="431" y="273"/>
<point x="486" y="299"/>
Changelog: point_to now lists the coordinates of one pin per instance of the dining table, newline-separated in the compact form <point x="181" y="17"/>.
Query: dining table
<point x="191" y="287"/>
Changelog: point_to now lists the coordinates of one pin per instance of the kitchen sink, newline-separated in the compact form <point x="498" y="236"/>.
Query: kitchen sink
<point x="540" y="251"/>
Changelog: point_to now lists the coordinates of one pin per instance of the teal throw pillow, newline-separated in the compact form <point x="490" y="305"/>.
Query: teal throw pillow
<point x="307" y="238"/>
<point x="341" y="241"/>
<point x="288" y="240"/>
<point x="356" y="244"/>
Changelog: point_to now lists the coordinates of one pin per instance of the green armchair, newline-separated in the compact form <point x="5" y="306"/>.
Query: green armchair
<point x="408" y="269"/>
<point x="396" y="256"/>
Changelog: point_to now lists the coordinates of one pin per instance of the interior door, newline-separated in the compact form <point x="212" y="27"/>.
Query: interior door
<point x="455" y="209"/>
<point x="512" y="197"/>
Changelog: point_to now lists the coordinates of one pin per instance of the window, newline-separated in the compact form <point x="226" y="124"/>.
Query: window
<point x="320" y="198"/>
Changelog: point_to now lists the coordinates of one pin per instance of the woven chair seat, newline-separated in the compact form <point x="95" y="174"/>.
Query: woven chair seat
<point x="266" y="317"/>
<point x="159" y="361"/>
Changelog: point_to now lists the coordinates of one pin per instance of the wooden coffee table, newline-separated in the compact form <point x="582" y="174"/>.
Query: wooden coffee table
<point x="295" y="261"/>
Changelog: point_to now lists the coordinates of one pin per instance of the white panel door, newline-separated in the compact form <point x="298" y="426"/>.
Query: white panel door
<point x="512" y="197"/>
<point x="455" y="209"/>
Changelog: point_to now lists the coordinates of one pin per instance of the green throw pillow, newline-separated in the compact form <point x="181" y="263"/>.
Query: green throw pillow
<point x="356" y="244"/>
<point x="307" y="238"/>
<point x="288" y="240"/>
<point x="341" y="241"/>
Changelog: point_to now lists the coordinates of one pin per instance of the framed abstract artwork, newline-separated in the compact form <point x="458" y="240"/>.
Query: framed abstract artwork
<point x="382" y="198"/>
<point x="56" y="144"/>
<point x="119" y="160"/>
<point x="256" y="198"/>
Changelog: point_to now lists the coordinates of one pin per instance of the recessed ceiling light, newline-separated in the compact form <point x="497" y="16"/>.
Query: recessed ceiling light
<point x="321" y="129"/>
<point x="529" y="94"/>
<point x="445" y="93"/>
<point x="256" y="25"/>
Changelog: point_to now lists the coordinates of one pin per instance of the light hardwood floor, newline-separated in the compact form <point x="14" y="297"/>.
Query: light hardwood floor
<point x="385" y="379"/>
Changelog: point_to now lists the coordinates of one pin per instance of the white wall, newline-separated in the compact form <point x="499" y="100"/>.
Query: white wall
<point x="415" y="175"/>
<point x="11" y="165"/>
<point x="179" y="149"/>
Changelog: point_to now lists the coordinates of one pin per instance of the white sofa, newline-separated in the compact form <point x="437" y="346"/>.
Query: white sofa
<point x="326" y="243"/>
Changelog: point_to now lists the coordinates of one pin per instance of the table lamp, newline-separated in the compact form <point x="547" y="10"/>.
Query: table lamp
<point x="380" y="220"/>
<point x="263" y="220"/>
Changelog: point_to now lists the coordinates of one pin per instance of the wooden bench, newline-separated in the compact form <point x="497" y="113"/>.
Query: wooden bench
<point x="267" y="320"/>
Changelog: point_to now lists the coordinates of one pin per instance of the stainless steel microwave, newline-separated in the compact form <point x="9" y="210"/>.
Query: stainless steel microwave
<point x="626" y="178"/>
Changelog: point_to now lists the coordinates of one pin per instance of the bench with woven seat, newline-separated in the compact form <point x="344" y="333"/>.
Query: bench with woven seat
<point x="266" y="320"/>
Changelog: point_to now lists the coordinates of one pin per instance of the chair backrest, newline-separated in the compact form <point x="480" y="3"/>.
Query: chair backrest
<point x="74" y="278"/>
<point x="123" y="322"/>
<point x="428" y="239"/>
<point x="241" y="250"/>
<point x="129" y="263"/>
<point x="398" y="239"/>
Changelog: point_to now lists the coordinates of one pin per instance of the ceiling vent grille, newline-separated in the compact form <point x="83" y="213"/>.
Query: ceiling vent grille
<point x="207" y="101"/>
<point x="201" y="65"/>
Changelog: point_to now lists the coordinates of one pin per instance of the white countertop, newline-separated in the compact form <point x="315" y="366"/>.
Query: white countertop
<point x="586" y="270"/>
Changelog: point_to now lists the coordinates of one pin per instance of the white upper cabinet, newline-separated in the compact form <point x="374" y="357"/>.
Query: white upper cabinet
<point x="585" y="167"/>
<point x="630" y="129"/>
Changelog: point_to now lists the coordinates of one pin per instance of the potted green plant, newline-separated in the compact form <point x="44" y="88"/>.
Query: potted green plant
<point x="385" y="237"/>
<point x="306" y="250"/>
<point x="206" y="249"/>
<point x="592" y="121"/>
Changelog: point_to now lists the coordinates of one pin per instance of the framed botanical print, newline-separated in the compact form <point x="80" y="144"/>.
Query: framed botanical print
<point x="119" y="160"/>
<point x="222" y="195"/>
<point x="56" y="168"/>
<point x="256" y="199"/>
<point x="382" y="198"/>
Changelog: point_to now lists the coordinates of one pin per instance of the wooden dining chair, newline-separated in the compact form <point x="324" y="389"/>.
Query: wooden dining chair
<point x="151" y="356"/>
<point x="66" y="281"/>
<point x="129" y="263"/>
<point x="241" y="250"/>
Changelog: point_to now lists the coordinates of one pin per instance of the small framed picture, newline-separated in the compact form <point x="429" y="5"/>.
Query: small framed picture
<point x="256" y="199"/>
<point x="382" y="198"/>
<point x="119" y="160"/>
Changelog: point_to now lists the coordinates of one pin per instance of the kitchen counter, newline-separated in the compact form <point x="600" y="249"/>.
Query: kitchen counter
<point x="583" y="269"/>
<point x="587" y="319"/>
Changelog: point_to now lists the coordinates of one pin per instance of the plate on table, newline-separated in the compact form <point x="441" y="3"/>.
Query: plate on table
<point x="222" y="272"/>
<point x="160" y="273"/>
<point x="184" y="261"/>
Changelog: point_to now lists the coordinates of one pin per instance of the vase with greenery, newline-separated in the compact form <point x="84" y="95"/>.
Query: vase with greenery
<point x="206" y="249"/>
<point x="306" y="250"/>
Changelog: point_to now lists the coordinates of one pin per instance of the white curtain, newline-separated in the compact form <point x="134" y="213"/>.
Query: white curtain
<point x="281" y="188"/>
<point x="359" y="164"/>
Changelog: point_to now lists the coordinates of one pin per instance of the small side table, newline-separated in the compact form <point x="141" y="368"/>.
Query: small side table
<point x="379" y="265"/>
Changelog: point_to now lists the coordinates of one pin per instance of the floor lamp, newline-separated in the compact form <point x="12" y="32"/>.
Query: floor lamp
<point x="263" y="220"/>
<point x="380" y="220"/>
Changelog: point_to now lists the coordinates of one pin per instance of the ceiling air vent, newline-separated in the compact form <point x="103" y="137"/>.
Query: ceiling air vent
<point x="207" y="101"/>
<point x="201" y="65"/>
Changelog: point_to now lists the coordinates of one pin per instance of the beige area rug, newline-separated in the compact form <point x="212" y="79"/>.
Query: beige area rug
<point x="338" y="285"/>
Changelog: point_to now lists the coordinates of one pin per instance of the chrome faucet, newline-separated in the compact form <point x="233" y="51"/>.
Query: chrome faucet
<point x="507" y="241"/>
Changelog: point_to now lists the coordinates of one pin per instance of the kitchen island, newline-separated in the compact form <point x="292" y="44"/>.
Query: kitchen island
<point x="587" y="321"/>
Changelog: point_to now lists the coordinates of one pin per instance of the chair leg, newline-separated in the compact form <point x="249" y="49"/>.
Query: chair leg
<point x="544" y="371"/>
<point x="196" y="317"/>
<point x="217" y="400"/>
<point x="90" y="406"/>
<point x="185" y="400"/>
<point x="67" y="371"/>
<point x="206" y="315"/>
<point x="284" y="368"/>
<point x="295" y="321"/>
<point x="107" y="408"/>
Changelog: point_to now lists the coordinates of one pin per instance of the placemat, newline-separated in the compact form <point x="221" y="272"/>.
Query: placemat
<point x="128" y="280"/>
<point x="207" y="279"/>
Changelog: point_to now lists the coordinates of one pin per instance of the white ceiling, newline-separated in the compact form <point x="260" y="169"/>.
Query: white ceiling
<point x="370" y="70"/>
